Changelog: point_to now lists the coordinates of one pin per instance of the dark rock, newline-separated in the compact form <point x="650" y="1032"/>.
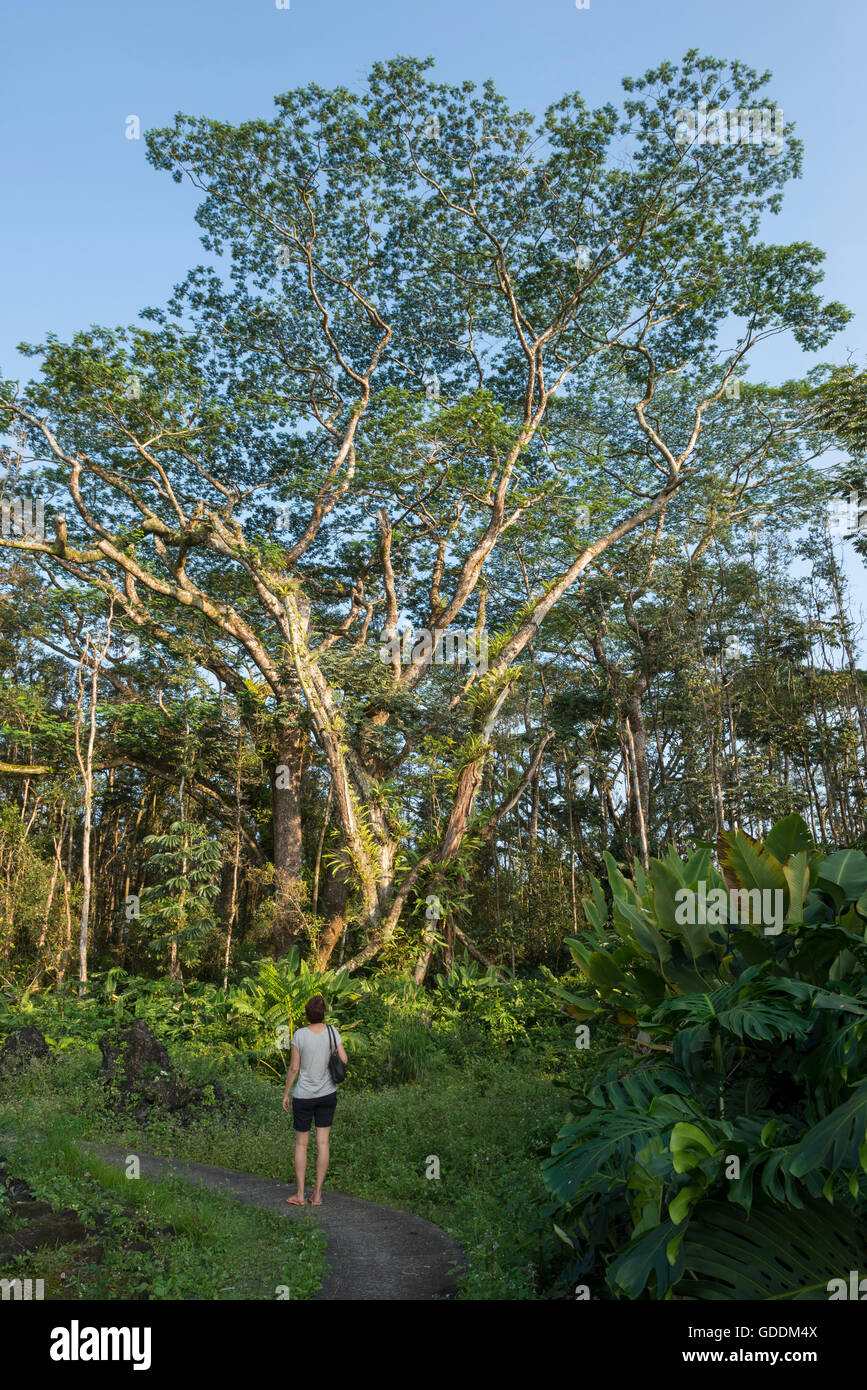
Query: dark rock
<point x="27" y="1210"/>
<point x="149" y="1081"/>
<point x="19" y="1190"/>
<point x="140" y="1247"/>
<point x="169" y="1092"/>
<point x="141" y="1050"/>
<point x="91" y="1254"/>
<point x="51" y="1231"/>
<point x="22" y="1046"/>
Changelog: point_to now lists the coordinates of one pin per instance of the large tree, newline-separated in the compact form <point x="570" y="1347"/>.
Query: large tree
<point x="430" y="331"/>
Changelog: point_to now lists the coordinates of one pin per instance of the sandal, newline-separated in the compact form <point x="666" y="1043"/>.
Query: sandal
<point x="316" y="1204"/>
<point x="294" y="1202"/>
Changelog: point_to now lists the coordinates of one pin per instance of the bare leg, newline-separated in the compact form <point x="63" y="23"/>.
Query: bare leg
<point x="301" y="1142"/>
<point x="323" y="1153"/>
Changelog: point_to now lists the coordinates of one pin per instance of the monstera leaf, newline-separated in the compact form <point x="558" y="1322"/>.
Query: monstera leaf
<point x="774" y="1253"/>
<point x="837" y="1142"/>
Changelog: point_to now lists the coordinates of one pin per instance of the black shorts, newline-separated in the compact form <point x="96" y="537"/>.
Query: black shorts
<point x="319" y="1109"/>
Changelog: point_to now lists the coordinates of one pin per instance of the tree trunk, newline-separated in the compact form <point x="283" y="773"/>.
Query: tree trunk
<point x="288" y="838"/>
<point x="334" y="900"/>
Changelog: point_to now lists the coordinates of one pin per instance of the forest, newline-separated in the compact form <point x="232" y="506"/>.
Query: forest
<point x="415" y="609"/>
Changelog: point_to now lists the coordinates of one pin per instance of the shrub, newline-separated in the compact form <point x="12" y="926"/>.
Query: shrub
<point x="745" y="1088"/>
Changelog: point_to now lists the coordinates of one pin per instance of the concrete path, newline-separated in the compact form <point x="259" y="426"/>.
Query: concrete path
<point x="374" y="1252"/>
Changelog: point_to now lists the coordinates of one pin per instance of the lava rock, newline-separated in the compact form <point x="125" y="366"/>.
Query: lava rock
<point x="141" y="1052"/>
<point x="148" y="1082"/>
<point x="22" y="1046"/>
<point x="28" y="1210"/>
<point x="59" y="1229"/>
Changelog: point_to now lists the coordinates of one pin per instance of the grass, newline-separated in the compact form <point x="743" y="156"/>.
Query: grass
<point x="487" y="1124"/>
<point x="157" y="1240"/>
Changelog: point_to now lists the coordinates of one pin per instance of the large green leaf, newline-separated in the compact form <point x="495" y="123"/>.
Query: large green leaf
<point x="689" y="1145"/>
<point x="839" y="1141"/>
<point x="775" y="1253"/>
<point x="599" y="897"/>
<point x="623" y="890"/>
<point x="797" y="874"/>
<point x="788" y="837"/>
<point x="645" y="1257"/>
<point x="648" y="939"/>
<point x="606" y="975"/>
<point x="665" y="888"/>
<point x="747" y="865"/>
<point x="847" y="870"/>
<point x="697" y="865"/>
<point x="651" y="985"/>
<point x="590" y="1153"/>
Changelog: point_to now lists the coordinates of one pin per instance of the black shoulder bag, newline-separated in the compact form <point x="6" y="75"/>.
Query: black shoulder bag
<point x="336" y="1067"/>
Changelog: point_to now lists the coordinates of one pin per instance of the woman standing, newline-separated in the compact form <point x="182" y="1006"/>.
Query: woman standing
<point x="315" y="1096"/>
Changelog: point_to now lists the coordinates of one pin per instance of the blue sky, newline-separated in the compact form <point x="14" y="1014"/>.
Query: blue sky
<point x="91" y="233"/>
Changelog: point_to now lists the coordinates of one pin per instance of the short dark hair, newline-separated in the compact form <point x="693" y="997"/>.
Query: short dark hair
<point x="315" y="1009"/>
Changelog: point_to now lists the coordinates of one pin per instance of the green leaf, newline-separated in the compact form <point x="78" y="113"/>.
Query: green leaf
<point x="646" y="1257"/>
<point x="788" y="837"/>
<point x="678" y="1209"/>
<point x="747" y="864"/>
<point x="797" y="875"/>
<point x="775" y="1253"/>
<point x="834" y="1142"/>
<point x="689" y="1145"/>
<point x="847" y="869"/>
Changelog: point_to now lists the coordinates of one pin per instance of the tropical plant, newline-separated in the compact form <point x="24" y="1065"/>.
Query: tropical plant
<point x="180" y="908"/>
<point x="747" y="1080"/>
<point x="276" y="995"/>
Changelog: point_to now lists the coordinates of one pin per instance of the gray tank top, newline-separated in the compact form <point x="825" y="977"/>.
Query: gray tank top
<point x="314" y="1078"/>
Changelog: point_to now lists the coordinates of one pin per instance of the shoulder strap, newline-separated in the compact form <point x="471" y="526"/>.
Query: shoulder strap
<point x="330" y="1037"/>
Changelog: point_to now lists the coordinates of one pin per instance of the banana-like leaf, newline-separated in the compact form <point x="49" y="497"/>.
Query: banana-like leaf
<point x="847" y="871"/>
<point x="745" y="864"/>
<point x="623" y="890"/>
<point x="788" y="837"/>
<point x="797" y="875"/>
<point x="697" y="865"/>
<point x="651" y="985"/>
<point x="606" y="975"/>
<point x="596" y="918"/>
<point x="648" y="940"/>
<point x="599" y="898"/>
